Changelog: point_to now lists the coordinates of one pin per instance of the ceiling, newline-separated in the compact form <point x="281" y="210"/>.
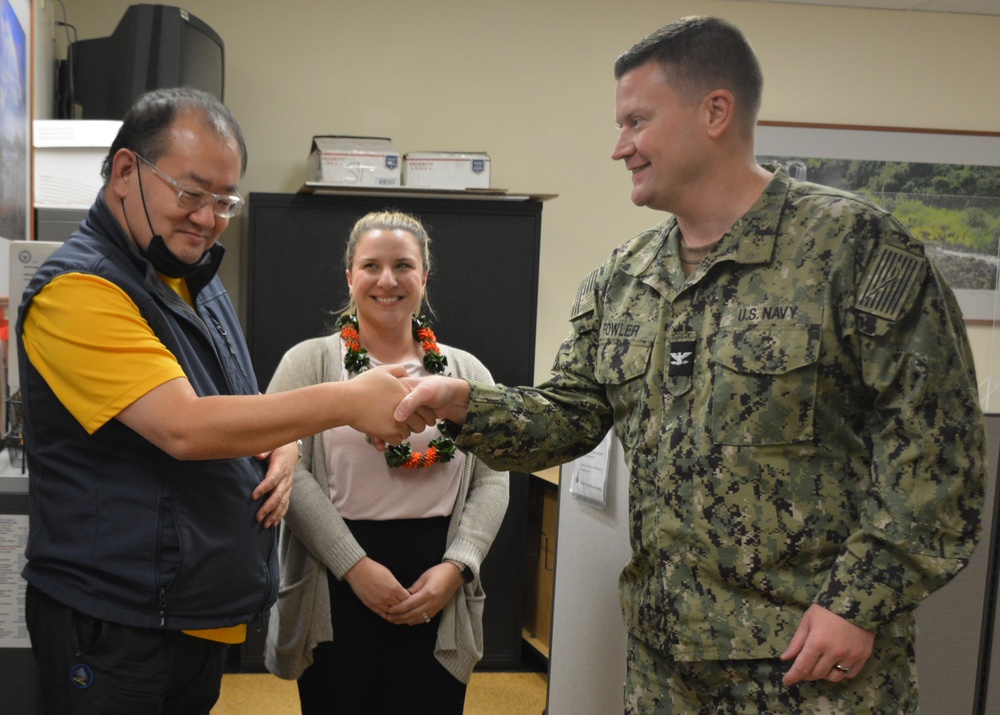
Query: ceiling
<point x="972" y="7"/>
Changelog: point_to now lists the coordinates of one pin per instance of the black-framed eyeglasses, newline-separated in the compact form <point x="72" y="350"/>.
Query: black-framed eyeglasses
<point x="192" y="199"/>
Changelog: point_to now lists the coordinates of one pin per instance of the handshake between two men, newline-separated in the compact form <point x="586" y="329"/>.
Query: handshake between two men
<point x="401" y="405"/>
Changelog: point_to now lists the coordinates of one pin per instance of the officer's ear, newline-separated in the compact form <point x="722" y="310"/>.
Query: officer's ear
<point x="717" y="110"/>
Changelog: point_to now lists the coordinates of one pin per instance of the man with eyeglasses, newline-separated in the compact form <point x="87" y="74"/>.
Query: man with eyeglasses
<point x="156" y="469"/>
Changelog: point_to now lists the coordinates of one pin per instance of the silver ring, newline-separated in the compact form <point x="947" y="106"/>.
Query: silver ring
<point x="841" y="668"/>
<point x="425" y="617"/>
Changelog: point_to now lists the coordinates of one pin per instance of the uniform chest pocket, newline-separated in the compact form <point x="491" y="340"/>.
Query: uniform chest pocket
<point x="619" y="361"/>
<point x="764" y="384"/>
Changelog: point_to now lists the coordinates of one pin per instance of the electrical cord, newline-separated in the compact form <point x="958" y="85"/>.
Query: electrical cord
<point x="67" y="99"/>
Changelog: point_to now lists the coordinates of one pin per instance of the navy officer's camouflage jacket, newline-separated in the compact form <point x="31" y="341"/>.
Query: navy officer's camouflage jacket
<point x="799" y="419"/>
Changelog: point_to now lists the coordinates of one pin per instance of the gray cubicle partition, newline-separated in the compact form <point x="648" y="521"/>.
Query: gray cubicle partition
<point x="950" y="622"/>
<point x="587" y="659"/>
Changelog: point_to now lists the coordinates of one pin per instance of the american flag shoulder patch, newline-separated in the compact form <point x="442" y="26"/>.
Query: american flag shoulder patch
<point x="888" y="281"/>
<point x="584" y="302"/>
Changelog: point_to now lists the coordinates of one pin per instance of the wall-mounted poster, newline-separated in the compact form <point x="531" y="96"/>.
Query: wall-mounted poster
<point x="15" y="127"/>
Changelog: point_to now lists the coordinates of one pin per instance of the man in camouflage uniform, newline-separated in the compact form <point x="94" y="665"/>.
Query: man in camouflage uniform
<point x="793" y="387"/>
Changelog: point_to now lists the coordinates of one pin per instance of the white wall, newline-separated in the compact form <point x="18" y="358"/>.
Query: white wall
<point x="531" y="83"/>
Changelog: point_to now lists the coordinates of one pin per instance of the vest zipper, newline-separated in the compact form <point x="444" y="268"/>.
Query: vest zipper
<point x="223" y="333"/>
<point x="258" y="618"/>
<point x="163" y="607"/>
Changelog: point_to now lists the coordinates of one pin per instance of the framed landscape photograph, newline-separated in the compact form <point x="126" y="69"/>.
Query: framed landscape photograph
<point x="944" y="186"/>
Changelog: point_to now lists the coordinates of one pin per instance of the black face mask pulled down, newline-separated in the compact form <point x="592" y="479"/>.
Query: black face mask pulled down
<point x="167" y="263"/>
<point x="157" y="253"/>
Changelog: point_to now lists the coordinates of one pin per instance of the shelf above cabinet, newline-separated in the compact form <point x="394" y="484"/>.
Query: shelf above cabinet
<point x="317" y="187"/>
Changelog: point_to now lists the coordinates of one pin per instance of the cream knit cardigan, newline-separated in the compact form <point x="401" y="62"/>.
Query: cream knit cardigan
<point x="315" y="538"/>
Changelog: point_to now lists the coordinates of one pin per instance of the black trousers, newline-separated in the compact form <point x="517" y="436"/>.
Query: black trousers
<point x="88" y="666"/>
<point x="373" y="667"/>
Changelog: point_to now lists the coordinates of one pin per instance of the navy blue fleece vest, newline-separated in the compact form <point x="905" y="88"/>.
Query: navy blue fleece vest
<point x="119" y="529"/>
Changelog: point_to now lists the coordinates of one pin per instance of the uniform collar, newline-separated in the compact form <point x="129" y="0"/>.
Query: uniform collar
<point x="752" y="237"/>
<point x="749" y="241"/>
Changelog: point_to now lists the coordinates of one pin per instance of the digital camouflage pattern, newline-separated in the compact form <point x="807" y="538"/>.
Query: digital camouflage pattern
<point x="799" y="417"/>
<point x="658" y="684"/>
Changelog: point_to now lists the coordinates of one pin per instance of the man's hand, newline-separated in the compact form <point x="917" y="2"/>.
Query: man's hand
<point x="376" y="394"/>
<point x="277" y="481"/>
<point x="827" y="647"/>
<point x="436" y="397"/>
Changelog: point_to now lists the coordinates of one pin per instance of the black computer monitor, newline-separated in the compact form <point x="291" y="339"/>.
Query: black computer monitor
<point x="154" y="46"/>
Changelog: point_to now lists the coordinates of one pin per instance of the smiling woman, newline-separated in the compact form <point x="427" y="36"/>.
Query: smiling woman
<point x="382" y="558"/>
<point x="387" y="275"/>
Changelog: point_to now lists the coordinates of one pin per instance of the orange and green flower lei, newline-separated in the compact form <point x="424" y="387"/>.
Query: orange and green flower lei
<point x="356" y="360"/>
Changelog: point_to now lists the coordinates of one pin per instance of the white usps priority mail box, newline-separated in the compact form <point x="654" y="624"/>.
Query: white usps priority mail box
<point x="446" y="170"/>
<point x="354" y="161"/>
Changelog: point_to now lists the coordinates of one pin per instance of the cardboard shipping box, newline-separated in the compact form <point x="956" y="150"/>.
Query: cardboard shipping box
<point x="446" y="170"/>
<point x="354" y="161"/>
